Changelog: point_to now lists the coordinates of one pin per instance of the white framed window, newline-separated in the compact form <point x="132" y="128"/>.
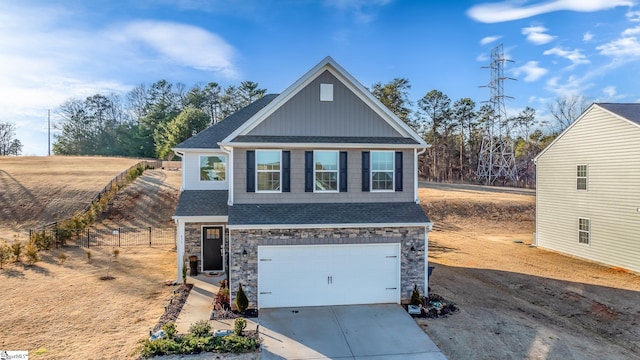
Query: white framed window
<point x="584" y="231"/>
<point x="325" y="168"/>
<point x="382" y="171"/>
<point x="582" y="175"/>
<point x="268" y="170"/>
<point x="213" y="168"/>
<point x="326" y="92"/>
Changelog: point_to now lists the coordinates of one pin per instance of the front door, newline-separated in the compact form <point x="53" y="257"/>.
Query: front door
<point x="212" y="248"/>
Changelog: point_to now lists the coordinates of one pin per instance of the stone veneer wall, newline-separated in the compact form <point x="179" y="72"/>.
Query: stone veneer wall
<point x="193" y="240"/>
<point x="245" y="270"/>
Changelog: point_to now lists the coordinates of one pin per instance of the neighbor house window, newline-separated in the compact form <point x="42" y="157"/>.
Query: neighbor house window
<point x="581" y="177"/>
<point x="382" y="170"/>
<point x="213" y="168"/>
<point x="268" y="170"/>
<point x="584" y="231"/>
<point x="326" y="170"/>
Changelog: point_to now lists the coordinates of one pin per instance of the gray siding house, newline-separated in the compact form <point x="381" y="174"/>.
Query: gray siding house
<point x="309" y="197"/>
<point x="588" y="188"/>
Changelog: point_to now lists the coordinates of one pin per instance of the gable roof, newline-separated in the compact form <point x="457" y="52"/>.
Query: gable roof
<point x="203" y="203"/>
<point x="629" y="112"/>
<point x="327" y="64"/>
<point x="211" y="136"/>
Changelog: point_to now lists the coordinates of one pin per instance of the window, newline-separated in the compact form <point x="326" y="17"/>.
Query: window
<point x="326" y="92"/>
<point x="581" y="177"/>
<point x="213" y="168"/>
<point x="382" y="170"/>
<point x="268" y="170"/>
<point x="326" y="170"/>
<point x="584" y="231"/>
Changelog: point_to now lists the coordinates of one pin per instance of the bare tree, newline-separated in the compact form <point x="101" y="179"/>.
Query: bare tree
<point x="566" y="109"/>
<point x="9" y="145"/>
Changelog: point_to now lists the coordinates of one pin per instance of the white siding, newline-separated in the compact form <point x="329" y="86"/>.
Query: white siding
<point x="610" y="146"/>
<point x="191" y="172"/>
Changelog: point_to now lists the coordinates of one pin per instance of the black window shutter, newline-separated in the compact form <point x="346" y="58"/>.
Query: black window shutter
<point x="398" y="171"/>
<point x="286" y="171"/>
<point x="251" y="171"/>
<point x="343" y="171"/>
<point x="365" y="171"/>
<point x="308" y="171"/>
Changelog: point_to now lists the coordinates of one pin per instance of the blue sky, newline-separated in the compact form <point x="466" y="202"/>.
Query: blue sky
<point x="54" y="50"/>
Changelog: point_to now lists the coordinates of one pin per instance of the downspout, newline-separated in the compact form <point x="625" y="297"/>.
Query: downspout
<point x="229" y="152"/>
<point x="180" y="250"/>
<point x="535" y="234"/>
<point x="415" y="173"/>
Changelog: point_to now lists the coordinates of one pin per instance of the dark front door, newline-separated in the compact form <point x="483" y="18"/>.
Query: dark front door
<point x="212" y="248"/>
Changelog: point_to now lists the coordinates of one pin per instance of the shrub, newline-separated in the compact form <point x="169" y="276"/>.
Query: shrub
<point x="184" y="273"/>
<point x="31" y="252"/>
<point x="16" y="250"/>
<point x="238" y="326"/>
<point x="5" y="254"/>
<point x="42" y="240"/>
<point x="416" y="299"/>
<point x="237" y="344"/>
<point x="170" y="329"/>
<point x="222" y="298"/>
<point x="242" y="303"/>
<point x="89" y="256"/>
<point x="159" y="347"/>
<point x="200" y="328"/>
<point x="62" y="257"/>
<point x="116" y="253"/>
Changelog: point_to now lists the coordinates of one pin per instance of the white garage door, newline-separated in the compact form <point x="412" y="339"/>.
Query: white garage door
<point x="318" y="275"/>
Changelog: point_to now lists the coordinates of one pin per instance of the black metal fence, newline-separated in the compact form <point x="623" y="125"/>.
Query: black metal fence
<point x="120" y="237"/>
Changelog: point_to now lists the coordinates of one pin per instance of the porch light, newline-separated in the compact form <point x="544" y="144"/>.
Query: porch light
<point x="413" y="248"/>
<point x="244" y="253"/>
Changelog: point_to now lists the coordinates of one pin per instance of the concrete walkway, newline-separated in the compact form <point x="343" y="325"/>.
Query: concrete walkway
<point x="344" y="332"/>
<point x="199" y="304"/>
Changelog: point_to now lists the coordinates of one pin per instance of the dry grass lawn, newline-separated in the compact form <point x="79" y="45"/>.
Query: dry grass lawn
<point x="38" y="190"/>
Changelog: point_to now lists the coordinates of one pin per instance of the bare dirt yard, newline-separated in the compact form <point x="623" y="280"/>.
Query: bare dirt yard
<point x="517" y="301"/>
<point x="38" y="190"/>
<point x="65" y="311"/>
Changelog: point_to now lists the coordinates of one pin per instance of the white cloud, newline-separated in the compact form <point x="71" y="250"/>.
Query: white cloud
<point x="575" y="56"/>
<point x="633" y="16"/>
<point x="631" y="31"/>
<point x="536" y="35"/>
<point x="181" y="44"/>
<point x="624" y="49"/>
<point x="610" y="91"/>
<point x="515" y="10"/>
<point x="489" y="39"/>
<point x="364" y="10"/>
<point x="531" y="70"/>
<point x="572" y="86"/>
<point x="588" y="36"/>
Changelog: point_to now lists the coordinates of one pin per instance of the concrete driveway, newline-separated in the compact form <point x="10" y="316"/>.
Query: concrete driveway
<point x="344" y="332"/>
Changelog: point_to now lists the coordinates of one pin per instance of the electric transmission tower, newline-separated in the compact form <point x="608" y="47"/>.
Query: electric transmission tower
<point x="496" y="159"/>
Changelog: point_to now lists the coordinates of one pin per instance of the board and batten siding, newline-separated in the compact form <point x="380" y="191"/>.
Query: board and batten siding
<point x="610" y="147"/>
<point x="305" y="114"/>
<point x="298" y="195"/>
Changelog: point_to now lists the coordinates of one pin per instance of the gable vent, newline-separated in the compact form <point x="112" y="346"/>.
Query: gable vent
<point x="326" y="92"/>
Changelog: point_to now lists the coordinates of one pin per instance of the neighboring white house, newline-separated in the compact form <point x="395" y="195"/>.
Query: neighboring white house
<point x="588" y="188"/>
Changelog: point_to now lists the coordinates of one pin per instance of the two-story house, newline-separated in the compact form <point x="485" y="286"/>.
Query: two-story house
<point x="310" y="197"/>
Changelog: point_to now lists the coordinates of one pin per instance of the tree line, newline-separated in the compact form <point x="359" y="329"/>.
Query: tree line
<point x="9" y="145"/>
<point x="149" y="120"/>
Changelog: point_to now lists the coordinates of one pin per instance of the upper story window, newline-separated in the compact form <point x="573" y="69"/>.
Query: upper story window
<point x="326" y="170"/>
<point x="582" y="173"/>
<point x="268" y="170"/>
<point x="213" y="168"/>
<point x="382" y="169"/>
<point x="584" y="231"/>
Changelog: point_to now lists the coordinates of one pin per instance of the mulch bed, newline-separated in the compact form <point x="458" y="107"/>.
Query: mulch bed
<point x="435" y="306"/>
<point x="173" y="308"/>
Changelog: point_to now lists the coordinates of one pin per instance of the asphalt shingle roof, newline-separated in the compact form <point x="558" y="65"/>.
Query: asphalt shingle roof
<point x="323" y="139"/>
<point x="203" y="203"/>
<point x="327" y="213"/>
<point x="210" y="137"/>
<point x="629" y="111"/>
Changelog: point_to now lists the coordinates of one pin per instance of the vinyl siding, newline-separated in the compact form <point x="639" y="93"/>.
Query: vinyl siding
<point x="298" y="195"/>
<point x="305" y="114"/>
<point x="610" y="147"/>
<point x="191" y="175"/>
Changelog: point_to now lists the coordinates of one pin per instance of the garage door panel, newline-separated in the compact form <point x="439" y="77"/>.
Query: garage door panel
<point x="315" y="275"/>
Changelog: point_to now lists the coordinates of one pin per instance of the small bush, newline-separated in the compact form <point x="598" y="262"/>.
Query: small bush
<point x="200" y="328"/>
<point x="223" y="283"/>
<point x="242" y="303"/>
<point x="31" y="252"/>
<point x="5" y="254"/>
<point x="42" y="240"/>
<point x="170" y="329"/>
<point x="238" y="326"/>
<point x="16" y="250"/>
<point x="416" y="299"/>
<point x="184" y="273"/>
<point x="222" y="298"/>
<point x="159" y="347"/>
<point x="116" y="253"/>
<point x="89" y="256"/>
<point x="62" y="257"/>
<point x="237" y="344"/>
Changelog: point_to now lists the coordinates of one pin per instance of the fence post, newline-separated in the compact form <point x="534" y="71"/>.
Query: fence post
<point x="119" y="234"/>
<point x="88" y="239"/>
<point x="149" y="236"/>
